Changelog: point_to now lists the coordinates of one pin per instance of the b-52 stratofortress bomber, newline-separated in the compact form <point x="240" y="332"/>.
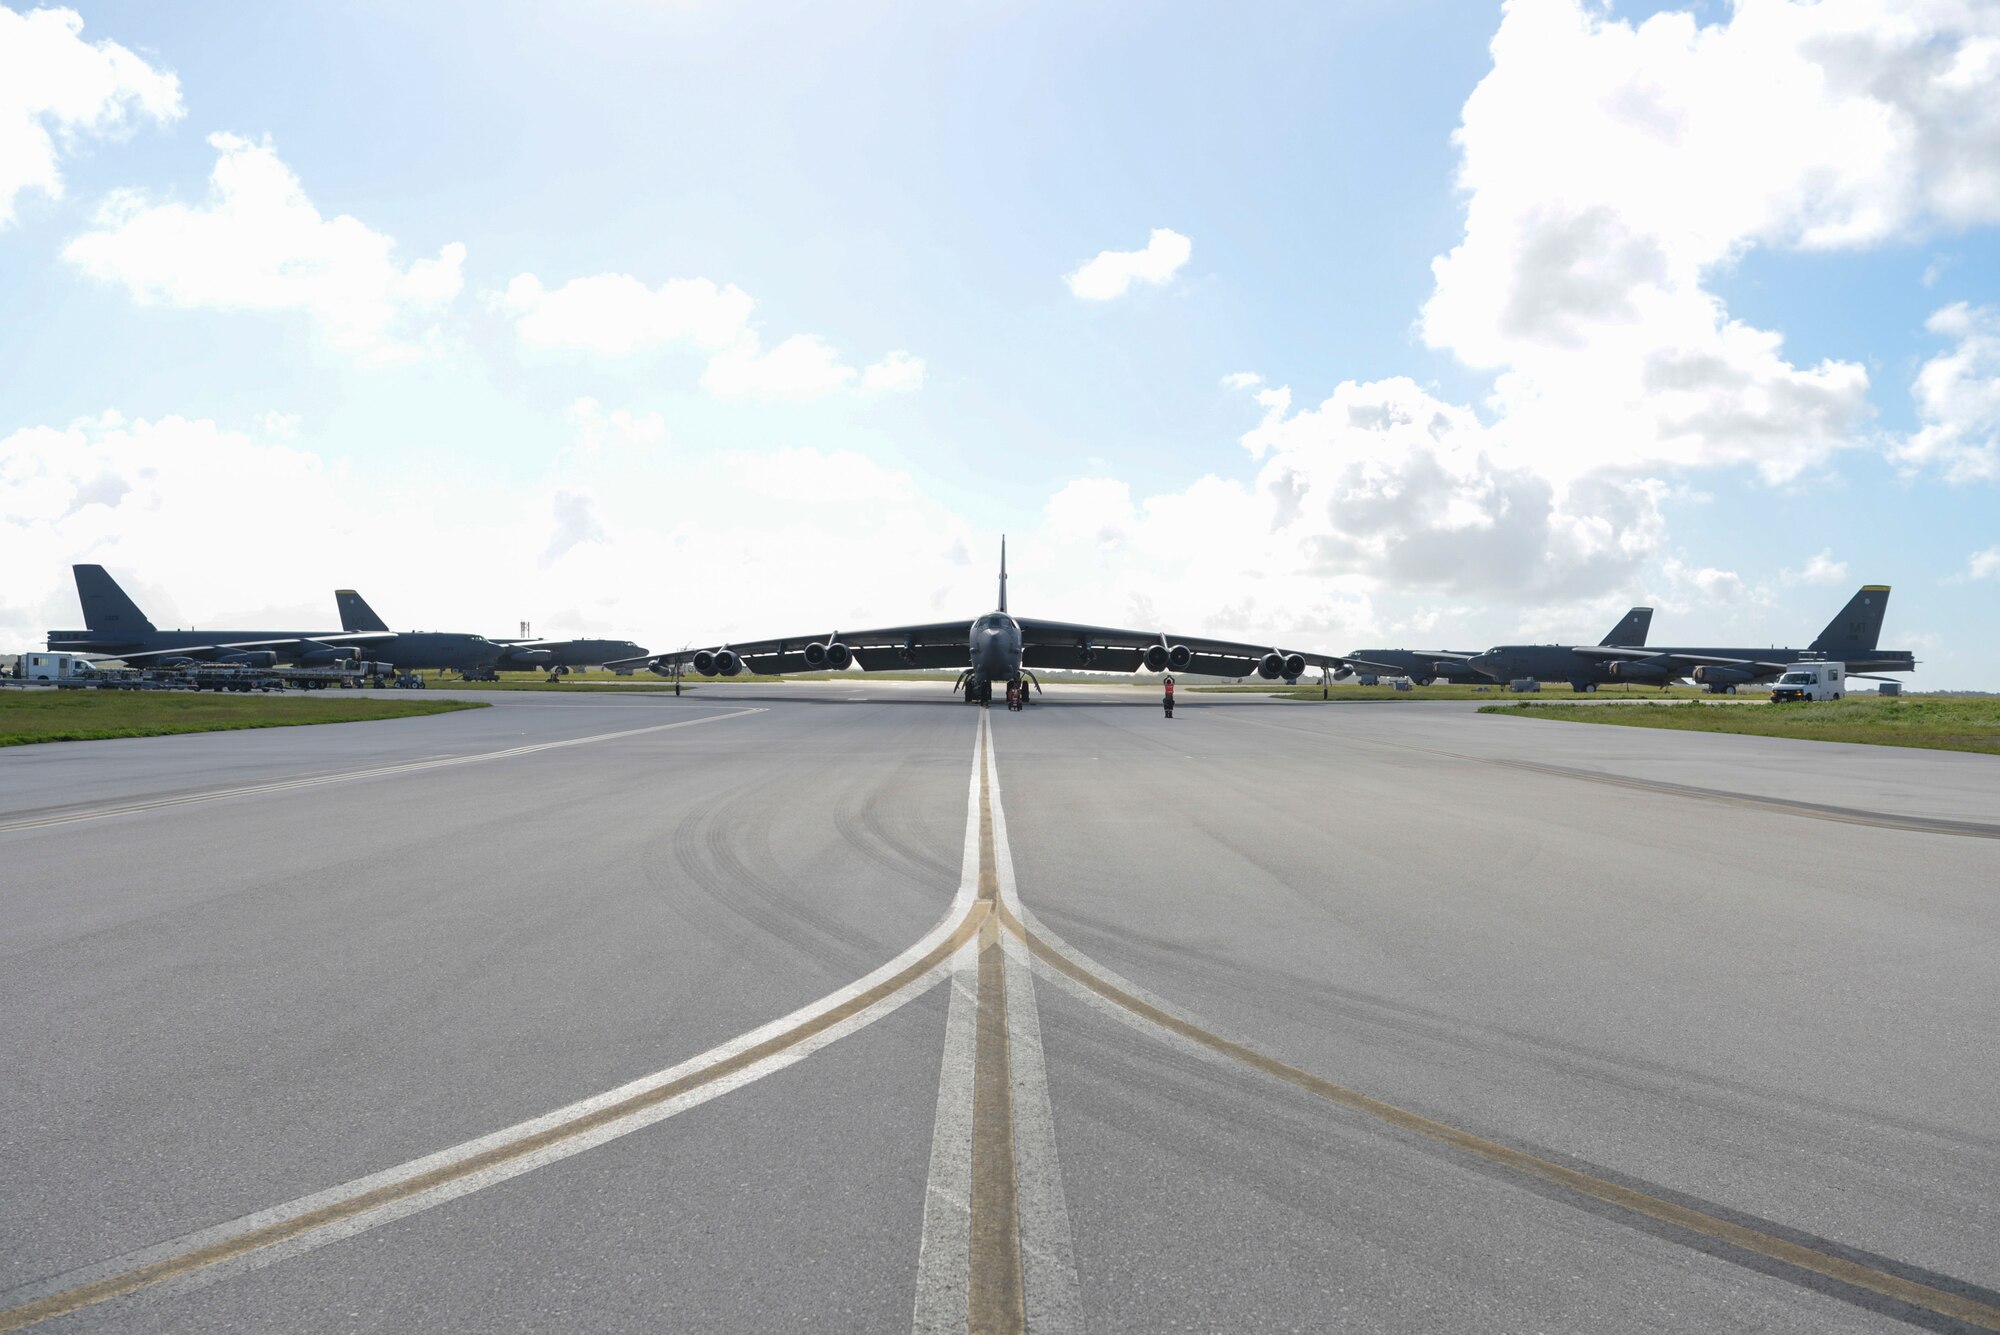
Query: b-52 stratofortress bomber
<point x="1849" y="638"/>
<point x="997" y="648"/>
<point x="478" y="656"/>
<point x="1424" y="666"/>
<point x="118" y="629"/>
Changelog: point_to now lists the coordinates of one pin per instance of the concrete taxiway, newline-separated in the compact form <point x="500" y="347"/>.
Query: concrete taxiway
<point x="779" y="1008"/>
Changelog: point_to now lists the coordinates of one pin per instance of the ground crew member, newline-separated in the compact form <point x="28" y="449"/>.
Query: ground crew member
<point x="1169" y="701"/>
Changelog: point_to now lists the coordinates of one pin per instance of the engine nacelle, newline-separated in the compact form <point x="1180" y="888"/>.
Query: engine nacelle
<point x="313" y="654"/>
<point x="1271" y="666"/>
<point x="839" y="657"/>
<point x="258" y="658"/>
<point x="1156" y="657"/>
<point x="727" y="663"/>
<point x="660" y="669"/>
<point x="1295" y="666"/>
<point x="1718" y="674"/>
<point x="529" y="657"/>
<point x="704" y="663"/>
<point x="1632" y="669"/>
<point x="1179" y="657"/>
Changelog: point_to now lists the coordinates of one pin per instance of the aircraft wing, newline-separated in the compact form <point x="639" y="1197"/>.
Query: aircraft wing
<point x="342" y="638"/>
<point x="1679" y="659"/>
<point x="1691" y="660"/>
<point x="1063" y="644"/>
<point x="1614" y="651"/>
<point x="1380" y="669"/>
<point x="934" y="644"/>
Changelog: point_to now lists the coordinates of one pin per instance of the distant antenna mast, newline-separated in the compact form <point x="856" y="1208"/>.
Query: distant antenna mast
<point x="526" y="634"/>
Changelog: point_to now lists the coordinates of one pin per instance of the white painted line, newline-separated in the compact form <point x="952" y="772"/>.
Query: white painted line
<point x="346" y="776"/>
<point x="944" y="1258"/>
<point x="1051" y="1290"/>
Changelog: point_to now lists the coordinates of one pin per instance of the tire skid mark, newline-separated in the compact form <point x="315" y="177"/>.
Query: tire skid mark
<point x="1949" y="1298"/>
<point x="300" y="1225"/>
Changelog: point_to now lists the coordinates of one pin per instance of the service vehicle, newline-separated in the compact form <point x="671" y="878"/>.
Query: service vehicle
<point x="1810" y="681"/>
<point x="52" y="667"/>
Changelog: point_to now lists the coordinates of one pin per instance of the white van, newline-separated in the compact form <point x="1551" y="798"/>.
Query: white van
<point x="1810" y="681"/>
<point x="52" y="667"/>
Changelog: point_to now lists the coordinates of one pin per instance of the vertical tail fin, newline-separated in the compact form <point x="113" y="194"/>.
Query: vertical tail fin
<point x="1859" y="625"/>
<point x="106" y="607"/>
<point x="355" y="613"/>
<point x="1003" y="572"/>
<point x="1631" y="632"/>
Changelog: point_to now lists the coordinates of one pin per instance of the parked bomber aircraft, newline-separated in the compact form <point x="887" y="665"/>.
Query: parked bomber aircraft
<point x="1849" y="638"/>
<point x="118" y="629"/>
<point x="1423" y="666"/>
<point x="995" y="648"/>
<point x="478" y="655"/>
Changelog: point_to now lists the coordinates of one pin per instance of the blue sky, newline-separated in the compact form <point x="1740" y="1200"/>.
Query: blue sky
<point x="1461" y="455"/>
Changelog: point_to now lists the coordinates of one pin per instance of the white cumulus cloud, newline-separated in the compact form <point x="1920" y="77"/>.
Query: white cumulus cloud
<point x="1958" y="400"/>
<point x="1112" y="273"/>
<point x="1982" y="565"/>
<point x="621" y="427"/>
<point x="1820" y="568"/>
<point x="617" y="316"/>
<point x="259" y="244"/>
<point x="57" y="89"/>
<point x="1612" y="169"/>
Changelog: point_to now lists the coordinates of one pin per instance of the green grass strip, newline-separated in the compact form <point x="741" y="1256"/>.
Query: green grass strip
<point x="1940" y="723"/>
<point x="91" y="715"/>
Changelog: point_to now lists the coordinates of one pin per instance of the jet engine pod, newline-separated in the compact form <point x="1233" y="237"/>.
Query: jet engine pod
<point x="1718" y="674"/>
<point x="1295" y="666"/>
<point x="1157" y="657"/>
<point x="727" y="663"/>
<point x="319" y="655"/>
<point x="1271" y="666"/>
<point x="258" y="658"/>
<point x="1179" y="657"/>
<point x="815" y="655"/>
<point x="1632" y="669"/>
<point x="704" y="663"/>
<point x="838" y="656"/>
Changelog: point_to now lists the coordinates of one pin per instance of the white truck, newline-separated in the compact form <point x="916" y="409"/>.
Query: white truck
<point x="53" y="667"/>
<point x="1810" y="681"/>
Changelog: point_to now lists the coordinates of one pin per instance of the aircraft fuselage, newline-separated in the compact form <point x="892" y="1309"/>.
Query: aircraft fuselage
<point x="996" y="649"/>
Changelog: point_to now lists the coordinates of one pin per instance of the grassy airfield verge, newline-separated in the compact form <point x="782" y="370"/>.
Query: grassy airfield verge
<point x="83" y="716"/>
<point x="1940" y="723"/>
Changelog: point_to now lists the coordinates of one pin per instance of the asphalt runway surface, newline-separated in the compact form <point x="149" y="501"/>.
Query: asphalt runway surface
<point x="854" y="1008"/>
